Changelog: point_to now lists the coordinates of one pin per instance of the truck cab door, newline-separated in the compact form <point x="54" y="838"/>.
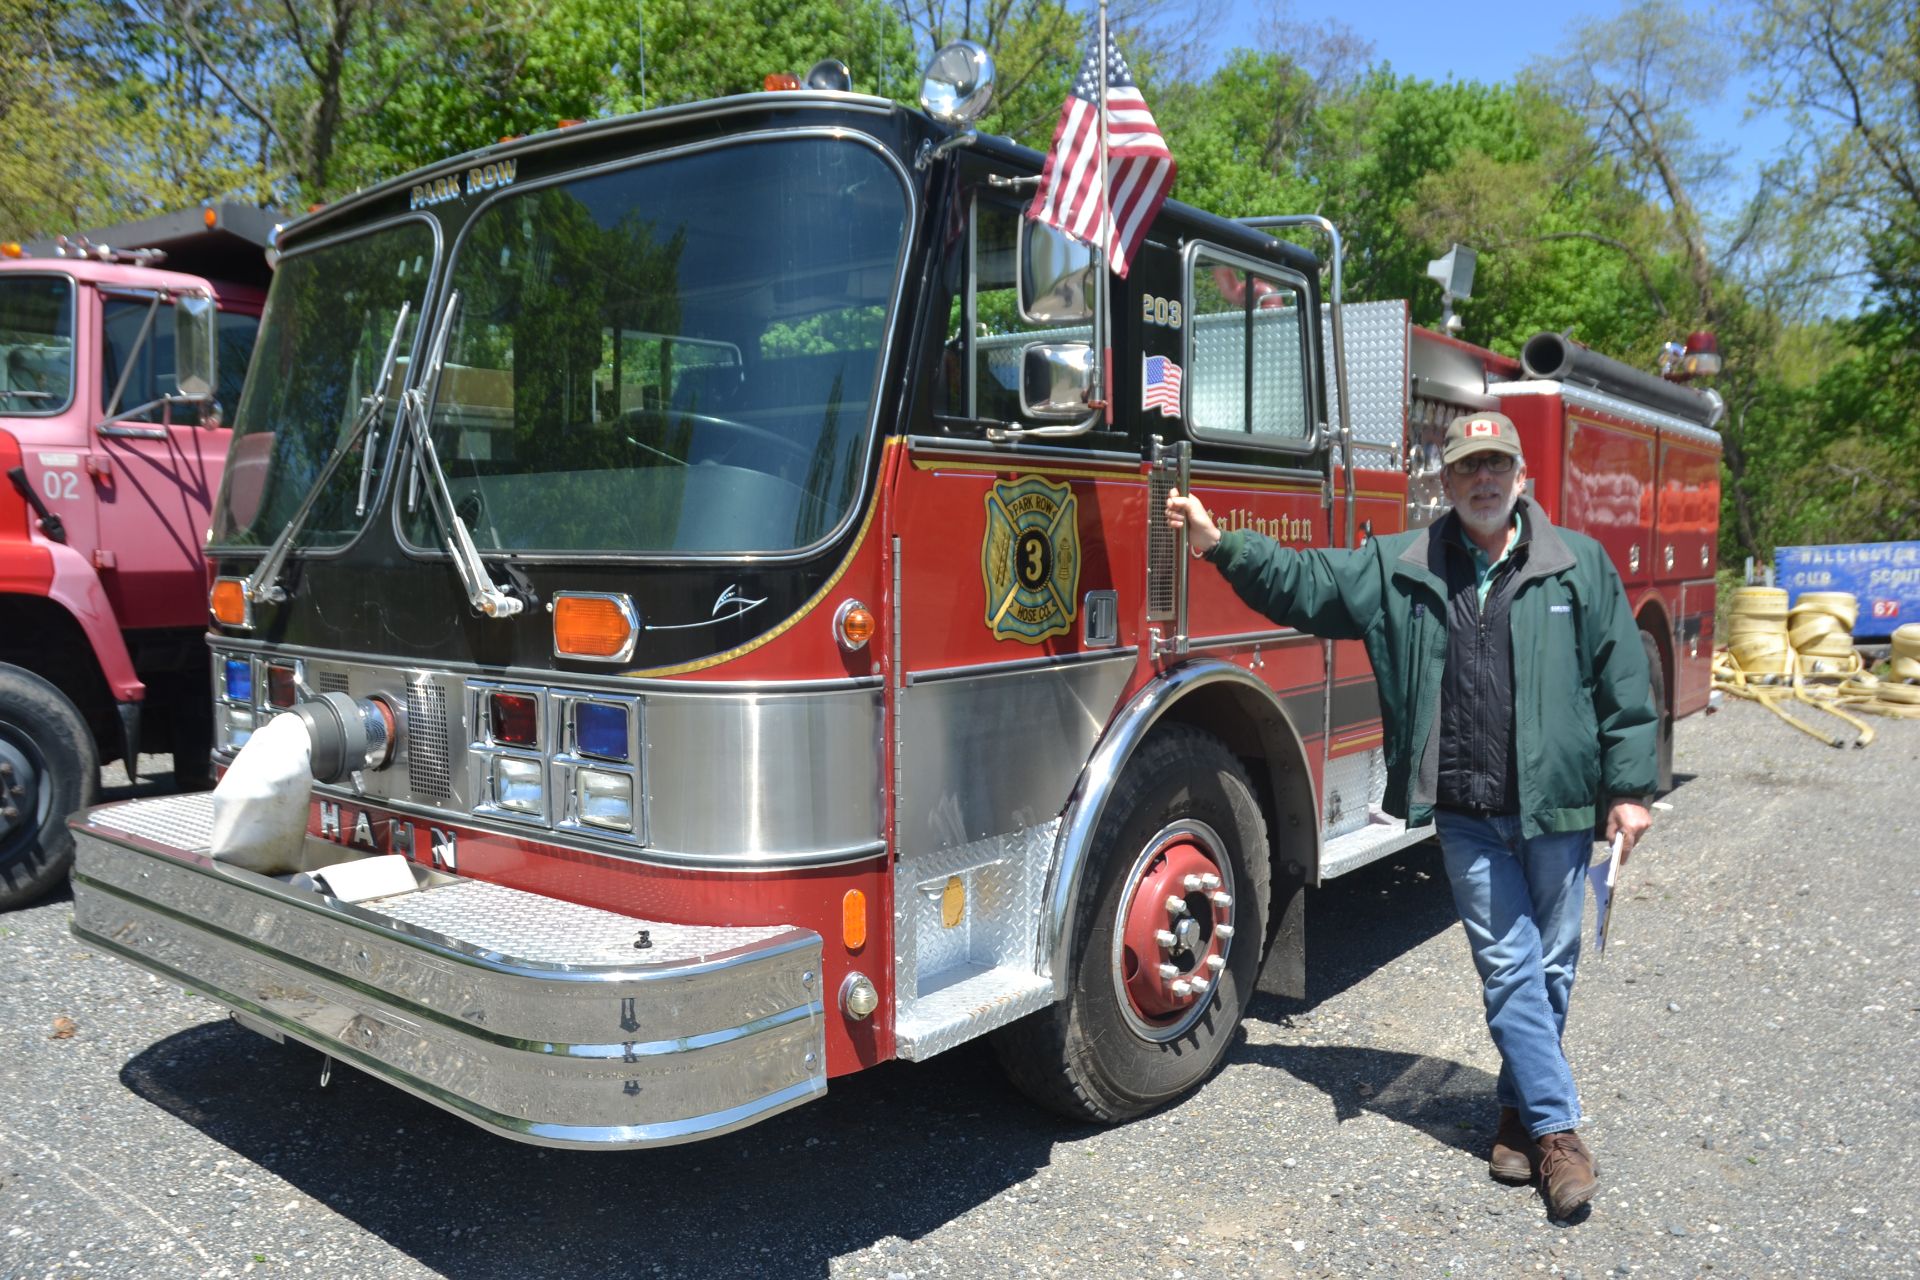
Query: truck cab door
<point x="158" y="458"/>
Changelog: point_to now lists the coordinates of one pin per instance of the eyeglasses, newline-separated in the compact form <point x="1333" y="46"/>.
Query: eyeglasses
<point x="1496" y="464"/>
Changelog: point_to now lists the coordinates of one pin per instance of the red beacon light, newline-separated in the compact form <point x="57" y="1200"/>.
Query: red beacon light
<point x="1698" y="357"/>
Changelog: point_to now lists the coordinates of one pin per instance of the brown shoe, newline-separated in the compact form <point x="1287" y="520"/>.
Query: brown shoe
<point x="1567" y="1176"/>
<point x="1513" y="1150"/>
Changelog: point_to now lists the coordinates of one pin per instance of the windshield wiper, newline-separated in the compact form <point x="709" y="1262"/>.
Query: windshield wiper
<point x="481" y="593"/>
<point x="263" y="584"/>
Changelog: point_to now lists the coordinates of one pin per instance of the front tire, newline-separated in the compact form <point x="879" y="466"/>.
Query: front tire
<point x="1132" y="1035"/>
<point x="48" y="770"/>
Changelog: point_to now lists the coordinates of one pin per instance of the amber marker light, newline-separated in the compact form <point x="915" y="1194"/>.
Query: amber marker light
<point x="601" y="628"/>
<point x="209" y="217"/>
<point x="853" y="624"/>
<point x="781" y="80"/>
<point x="228" y="601"/>
<point x="853" y="919"/>
<point x="11" y="249"/>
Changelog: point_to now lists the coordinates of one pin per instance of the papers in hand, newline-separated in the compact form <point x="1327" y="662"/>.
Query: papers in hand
<point x="1601" y="875"/>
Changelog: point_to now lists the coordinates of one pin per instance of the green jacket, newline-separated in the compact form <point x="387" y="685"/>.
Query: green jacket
<point x="1584" y="727"/>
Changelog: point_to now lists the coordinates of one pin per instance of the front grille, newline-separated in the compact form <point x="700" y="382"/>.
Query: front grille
<point x="331" y="682"/>
<point x="1162" y="545"/>
<point x="429" y="772"/>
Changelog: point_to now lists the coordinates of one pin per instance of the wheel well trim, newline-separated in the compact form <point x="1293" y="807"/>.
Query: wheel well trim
<point x="1087" y="807"/>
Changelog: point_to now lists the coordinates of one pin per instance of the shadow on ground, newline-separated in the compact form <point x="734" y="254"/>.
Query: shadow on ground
<point x="1357" y="924"/>
<point x="894" y="1152"/>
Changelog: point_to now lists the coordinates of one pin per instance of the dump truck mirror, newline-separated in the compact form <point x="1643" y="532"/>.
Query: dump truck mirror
<point x="1056" y="275"/>
<point x="1055" y="378"/>
<point x="194" y="346"/>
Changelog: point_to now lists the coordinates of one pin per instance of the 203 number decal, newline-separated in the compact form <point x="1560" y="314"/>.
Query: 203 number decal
<point x="1161" y="311"/>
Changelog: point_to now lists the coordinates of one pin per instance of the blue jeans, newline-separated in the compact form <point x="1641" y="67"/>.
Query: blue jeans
<point x="1521" y="902"/>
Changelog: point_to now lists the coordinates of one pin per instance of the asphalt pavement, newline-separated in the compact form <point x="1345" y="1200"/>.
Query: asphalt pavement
<point x="1748" y="1051"/>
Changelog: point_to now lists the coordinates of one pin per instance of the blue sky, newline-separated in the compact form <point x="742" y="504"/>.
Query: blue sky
<point x="1492" y="40"/>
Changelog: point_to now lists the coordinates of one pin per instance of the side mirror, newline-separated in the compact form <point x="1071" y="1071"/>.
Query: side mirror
<point x="194" y="346"/>
<point x="1056" y="275"/>
<point x="1055" y="378"/>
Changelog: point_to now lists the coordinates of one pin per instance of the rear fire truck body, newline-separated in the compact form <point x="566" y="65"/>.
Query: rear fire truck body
<point x="800" y="704"/>
<point x="107" y="478"/>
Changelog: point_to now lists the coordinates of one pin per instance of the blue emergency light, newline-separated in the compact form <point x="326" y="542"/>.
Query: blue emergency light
<point x="239" y="679"/>
<point x="600" y="730"/>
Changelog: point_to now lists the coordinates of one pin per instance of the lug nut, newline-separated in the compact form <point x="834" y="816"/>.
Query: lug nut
<point x="1216" y="963"/>
<point x="1222" y="900"/>
<point x="1210" y="880"/>
<point x="1176" y="905"/>
<point x="1166" y="939"/>
<point x="9" y="813"/>
<point x="1201" y="985"/>
<point x="1224" y="932"/>
<point x="1194" y="884"/>
<point x="6" y="768"/>
<point x="1169" y="972"/>
<point x="16" y="790"/>
<point x="1184" y="988"/>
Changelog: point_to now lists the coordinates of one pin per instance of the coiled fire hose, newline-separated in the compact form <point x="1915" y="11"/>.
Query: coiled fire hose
<point x="1807" y="655"/>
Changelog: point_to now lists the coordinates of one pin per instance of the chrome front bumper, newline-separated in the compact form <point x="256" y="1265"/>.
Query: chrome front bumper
<point x="534" y="1018"/>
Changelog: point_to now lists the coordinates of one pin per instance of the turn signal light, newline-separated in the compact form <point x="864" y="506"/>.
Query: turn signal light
<point x="853" y="623"/>
<point x="228" y="601"/>
<point x="601" y="627"/>
<point x="853" y="919"/>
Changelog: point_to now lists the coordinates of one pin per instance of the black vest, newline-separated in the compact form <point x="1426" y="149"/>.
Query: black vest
<point x="1478" y="772"/>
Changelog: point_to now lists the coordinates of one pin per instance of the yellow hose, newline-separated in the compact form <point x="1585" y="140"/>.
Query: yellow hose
<point x="1806" y="655"/>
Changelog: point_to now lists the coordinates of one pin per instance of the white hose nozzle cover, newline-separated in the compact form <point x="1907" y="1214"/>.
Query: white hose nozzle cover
<point x="260" y="807"/>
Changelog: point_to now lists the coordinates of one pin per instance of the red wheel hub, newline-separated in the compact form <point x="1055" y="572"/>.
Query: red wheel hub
<point x="1168" y="952"/>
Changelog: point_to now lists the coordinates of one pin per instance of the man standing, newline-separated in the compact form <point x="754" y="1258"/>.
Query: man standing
<point x="1515" y="695"/>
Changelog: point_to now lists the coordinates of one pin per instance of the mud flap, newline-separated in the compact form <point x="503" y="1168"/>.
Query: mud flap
<point x="1284" y="972"/>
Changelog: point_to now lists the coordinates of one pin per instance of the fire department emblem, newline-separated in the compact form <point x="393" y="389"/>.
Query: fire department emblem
<point x="1030" y="559"/>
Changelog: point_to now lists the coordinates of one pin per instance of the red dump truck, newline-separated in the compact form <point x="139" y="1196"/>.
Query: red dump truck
<point x="118" y="349"/>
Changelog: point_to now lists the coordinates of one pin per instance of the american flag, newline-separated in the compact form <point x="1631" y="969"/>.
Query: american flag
<point x="1160" y="386"/>
<point x="1139" y="167"/>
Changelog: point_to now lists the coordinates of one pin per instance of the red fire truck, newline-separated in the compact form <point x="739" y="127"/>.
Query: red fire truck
<point x="690" y="554"/>
<point x="117" y="349"/>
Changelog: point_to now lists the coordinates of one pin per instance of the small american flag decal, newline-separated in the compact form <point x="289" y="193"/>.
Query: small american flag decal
<point x="1160" y="386"/>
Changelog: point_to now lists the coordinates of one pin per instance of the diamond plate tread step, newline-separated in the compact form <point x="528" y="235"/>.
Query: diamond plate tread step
<point x="511" y="924"/>
<point x="181" y="822"/>
<point x="955" y="1013"/>
<point x="1369" y="844"/>
<point x="527" y="926"/>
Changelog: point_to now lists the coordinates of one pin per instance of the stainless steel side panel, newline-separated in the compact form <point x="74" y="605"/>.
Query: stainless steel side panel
<point x="748" y="776"/>
<point x="986" y="753"/>
<point x="591" y="1044"/>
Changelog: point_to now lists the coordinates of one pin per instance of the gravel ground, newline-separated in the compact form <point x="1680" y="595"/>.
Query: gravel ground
<point x="1748" y="1053"/>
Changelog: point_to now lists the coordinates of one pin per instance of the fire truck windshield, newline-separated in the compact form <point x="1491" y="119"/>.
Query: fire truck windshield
<point x="329" y="321"/>
<point x="679" y="356"/>
<point x="36" y="344"/>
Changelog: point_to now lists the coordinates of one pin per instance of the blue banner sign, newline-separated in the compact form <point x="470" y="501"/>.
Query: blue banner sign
<point x="1883" y="576"/>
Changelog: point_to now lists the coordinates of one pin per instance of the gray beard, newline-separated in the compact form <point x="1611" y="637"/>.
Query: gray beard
<point x="1489" y="524"/>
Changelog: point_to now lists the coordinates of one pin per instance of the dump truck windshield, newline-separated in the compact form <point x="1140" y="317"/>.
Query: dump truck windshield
<point x="677" y="356"/>
<point x="36" y="344"/>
